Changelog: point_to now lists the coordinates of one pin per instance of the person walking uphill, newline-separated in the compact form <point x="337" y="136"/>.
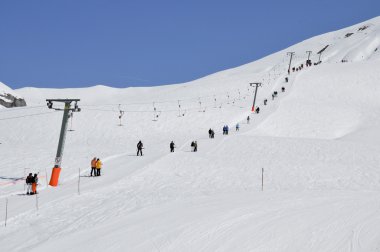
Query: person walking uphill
<point x="93" y="166"/>
<point x="139" y="148"/>
<point x="172" y="146"/>
<point x="28" y="181"/>
<point x="98" y="166"/>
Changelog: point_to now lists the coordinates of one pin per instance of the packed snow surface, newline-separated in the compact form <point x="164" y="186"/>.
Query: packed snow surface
<point x="315" y="147"/>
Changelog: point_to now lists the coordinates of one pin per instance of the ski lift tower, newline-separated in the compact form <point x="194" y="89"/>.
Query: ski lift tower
<point x="257" y="84"/>
<point x="61" y="144"/>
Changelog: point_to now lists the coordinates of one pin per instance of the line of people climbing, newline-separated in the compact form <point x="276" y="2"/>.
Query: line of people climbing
<point x="96" y="164"/>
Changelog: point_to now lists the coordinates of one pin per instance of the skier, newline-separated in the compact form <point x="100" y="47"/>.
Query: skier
<point x="34" y="184"/>
<point x="227" y="129"/>
<point x="257" y="110"/>
<point x="93" y="166"/>
<point x="212" y="133"/>
<point x="272" y="96"/>
<point x="28" y="181"/>
<point x="99" y="165"/>
<point x="248" y="119"/>
<point x="224" y="129"/>
<point x="172" y="146"/>
<point x="283" y="89"/>
<point x="237" y="127"/>
<point x="139" y="148"/>
<point x="209" y="133"/>
<point x="195" y="146"/>
<point x="265" y="102"/>
<point x="286" y="79"/>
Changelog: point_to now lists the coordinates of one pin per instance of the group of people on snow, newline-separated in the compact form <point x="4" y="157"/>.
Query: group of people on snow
<point x="96" y="166"/>
<point x="31" y="184"/>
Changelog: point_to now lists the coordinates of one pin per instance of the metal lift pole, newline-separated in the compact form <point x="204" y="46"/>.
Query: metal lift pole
<point x="62" y="137"/>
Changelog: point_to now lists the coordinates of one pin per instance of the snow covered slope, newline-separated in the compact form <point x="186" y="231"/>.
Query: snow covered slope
<point x="317" y="144"/>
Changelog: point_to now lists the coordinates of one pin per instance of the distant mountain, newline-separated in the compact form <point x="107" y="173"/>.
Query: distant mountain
<point x="9" y="99"/>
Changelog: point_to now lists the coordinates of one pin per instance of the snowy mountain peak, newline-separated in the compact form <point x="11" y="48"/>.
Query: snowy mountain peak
<point x="9" y="98"/>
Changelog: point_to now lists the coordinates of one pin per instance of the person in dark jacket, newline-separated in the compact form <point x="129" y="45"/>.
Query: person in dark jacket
<point x="209" y="133"/>
<point x="195" y="146"/>
<point x="172" y="146"/>
<point x="29" y="181"/>
<point x="139" y="148"/>
<point x="257" y="110"/>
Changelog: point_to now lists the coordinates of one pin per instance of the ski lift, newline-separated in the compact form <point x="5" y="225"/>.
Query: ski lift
<point x="179" y="108"/>
<point x="71" y="116"/>
<point x="121" y="113"/>
<point x="155" y="115"/>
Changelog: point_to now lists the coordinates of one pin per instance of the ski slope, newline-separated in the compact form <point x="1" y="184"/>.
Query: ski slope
<point x="318" y="143"/>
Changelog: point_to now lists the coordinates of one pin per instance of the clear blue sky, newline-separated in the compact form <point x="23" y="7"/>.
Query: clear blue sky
<point x="76" y="43"/>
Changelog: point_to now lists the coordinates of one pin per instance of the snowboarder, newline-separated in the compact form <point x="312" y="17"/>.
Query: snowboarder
<point x="93" y="166"/>
<point x="237" y="127"/>
<point x="248" y="119"/>
<point x="172" y="146"/>
<point x="257" y="110"/>
<point x="265" y="102"/>
<point x="34" y="184"/>
<point x="139" y="148"/>
<point x="28" y="181"/>
<point x="99" y="165"/>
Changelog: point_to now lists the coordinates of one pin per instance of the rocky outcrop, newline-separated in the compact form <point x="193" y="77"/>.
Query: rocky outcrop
<point x="9" y="101"/>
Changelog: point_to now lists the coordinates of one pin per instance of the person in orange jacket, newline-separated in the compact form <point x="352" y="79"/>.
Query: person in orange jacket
<point x="98" y="166"/>
<point x="93" y="166"/>
<point x="34" y="184"/>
